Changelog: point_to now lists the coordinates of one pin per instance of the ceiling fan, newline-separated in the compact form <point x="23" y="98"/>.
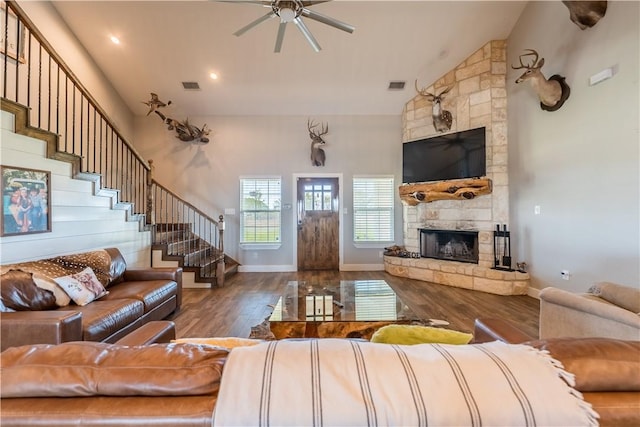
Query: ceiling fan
<point x="292" y="11"/>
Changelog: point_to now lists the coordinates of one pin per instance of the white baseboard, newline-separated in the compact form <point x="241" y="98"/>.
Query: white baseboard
<point x="533" y="292"/>
<point x="266" y="268"/>
<point x="196" y="285"/>
<point x="292" y="268"/>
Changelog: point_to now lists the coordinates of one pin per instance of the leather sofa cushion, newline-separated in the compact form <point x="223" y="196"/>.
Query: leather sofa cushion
<point x="109" y="411"/>
<point x="152" y="293"/>
<point x="616" y="409"/>
<point x="102" y="318"/>
<point x="599" y="364"/>
<point x="99" y="369"/>
<point x="19" y="292"/>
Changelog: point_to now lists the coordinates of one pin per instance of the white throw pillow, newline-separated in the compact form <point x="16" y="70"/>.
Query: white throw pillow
<point x="82" y="287"/>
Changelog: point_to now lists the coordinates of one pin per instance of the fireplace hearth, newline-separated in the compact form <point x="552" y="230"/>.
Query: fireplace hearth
<point x="451" y="245"/>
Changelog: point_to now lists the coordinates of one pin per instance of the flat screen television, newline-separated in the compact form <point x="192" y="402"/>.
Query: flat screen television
<point x="452" y="156"/>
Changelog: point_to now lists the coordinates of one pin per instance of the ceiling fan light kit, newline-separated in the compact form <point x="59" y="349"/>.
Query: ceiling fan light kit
<point x="291" y="11"/>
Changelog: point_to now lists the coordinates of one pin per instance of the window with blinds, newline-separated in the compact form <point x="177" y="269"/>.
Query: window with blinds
<point x="373" y="209"/>
<point x="260" y="203"/>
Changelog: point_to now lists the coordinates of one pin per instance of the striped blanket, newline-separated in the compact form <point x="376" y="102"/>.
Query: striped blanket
<point x="337" y="382"/>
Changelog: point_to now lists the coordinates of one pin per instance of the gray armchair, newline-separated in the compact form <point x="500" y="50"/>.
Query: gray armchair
<point x="606" y="310"/>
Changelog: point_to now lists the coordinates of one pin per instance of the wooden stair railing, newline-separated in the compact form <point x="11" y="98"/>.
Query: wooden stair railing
<point x="50" y="103"/>
<point x="186" y="234"/>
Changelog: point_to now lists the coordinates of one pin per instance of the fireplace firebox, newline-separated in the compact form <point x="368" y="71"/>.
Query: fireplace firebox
<point x="452" y="245"/>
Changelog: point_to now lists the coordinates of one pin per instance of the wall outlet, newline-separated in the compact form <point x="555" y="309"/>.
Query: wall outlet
<point x="380" y="254"/>
<point x="565" y="275"/>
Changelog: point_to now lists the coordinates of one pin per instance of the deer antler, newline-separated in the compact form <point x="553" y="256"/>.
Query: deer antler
<point x="312" y="133"/>
<point x="422" y="91"/>
<point x="533" y="64"/>
<point x="444" y="92"/>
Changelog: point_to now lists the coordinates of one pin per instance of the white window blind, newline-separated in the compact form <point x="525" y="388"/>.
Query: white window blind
<point x="373" y="209"/>
<point x="260" y="203"/>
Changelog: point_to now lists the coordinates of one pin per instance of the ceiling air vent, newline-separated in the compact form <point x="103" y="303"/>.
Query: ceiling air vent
<point x="190" y="85"/>
<point x="396" y="85"/>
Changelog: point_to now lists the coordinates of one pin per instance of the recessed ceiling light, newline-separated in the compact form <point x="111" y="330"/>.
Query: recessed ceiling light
<point x="115" y="40"/>
<point x="214" y="76"/>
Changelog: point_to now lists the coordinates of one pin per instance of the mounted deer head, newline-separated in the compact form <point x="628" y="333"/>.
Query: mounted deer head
<point x="442" y="119"/>
<point x="552" y="92"/>
<point x="586" y="14"/>
<point x="317" y="153"/>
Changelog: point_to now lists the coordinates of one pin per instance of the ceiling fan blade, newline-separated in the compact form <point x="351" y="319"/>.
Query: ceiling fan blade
<point x="307" y="3"/>
<point x="311" y="14"/>
<point x="307" y="34"/>
<point x="280" y="38"/>
<point x="265" y="3"/>
<point x="260" y="20"/>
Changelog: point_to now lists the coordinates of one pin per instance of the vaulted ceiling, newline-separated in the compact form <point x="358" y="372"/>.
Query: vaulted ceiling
<point x="165" y="43"/>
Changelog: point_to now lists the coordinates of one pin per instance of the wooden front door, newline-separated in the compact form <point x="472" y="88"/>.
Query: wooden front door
<point x="318" y="224"/>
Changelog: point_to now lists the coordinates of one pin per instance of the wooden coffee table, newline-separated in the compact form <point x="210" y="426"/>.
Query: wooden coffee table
<point x="345" y="309"/>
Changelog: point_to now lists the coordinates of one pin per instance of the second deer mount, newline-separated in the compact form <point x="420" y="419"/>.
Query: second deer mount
<point x="442" y="119"/>
<point x="552" y="92"/>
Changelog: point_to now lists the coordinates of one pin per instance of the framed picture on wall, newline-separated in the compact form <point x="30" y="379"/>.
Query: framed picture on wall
<point x="13" y="44"/>
<point x="25" y="201"/>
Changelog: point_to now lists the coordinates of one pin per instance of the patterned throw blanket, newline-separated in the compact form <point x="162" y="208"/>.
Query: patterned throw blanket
<point x="336" y="382"/>
<point x="45" y="270"/>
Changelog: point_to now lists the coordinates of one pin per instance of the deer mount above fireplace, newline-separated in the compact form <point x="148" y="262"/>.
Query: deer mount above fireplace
<point x="455" y="189"/>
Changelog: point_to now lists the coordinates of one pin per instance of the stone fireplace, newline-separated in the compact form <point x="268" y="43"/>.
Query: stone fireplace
<point x="477" y="98"/>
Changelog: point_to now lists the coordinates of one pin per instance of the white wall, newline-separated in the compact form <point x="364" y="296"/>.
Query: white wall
<point x="208" y="175"/>
<point x="80" y="221"/>
<point x="580" y="164"/>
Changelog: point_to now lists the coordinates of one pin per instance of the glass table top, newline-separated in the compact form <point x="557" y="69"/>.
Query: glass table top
<point x="346" y="300"/>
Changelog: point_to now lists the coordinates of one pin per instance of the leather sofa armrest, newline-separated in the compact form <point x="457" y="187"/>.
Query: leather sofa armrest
<point x="159" y="331"/>
<point x="39" y="327"/>
<point x="160" y="273"/>
<point x="486" y="330"/>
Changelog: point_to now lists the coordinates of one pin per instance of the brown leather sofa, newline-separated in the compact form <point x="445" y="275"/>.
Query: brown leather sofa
<point x="177" y="384"/>
<point x="185" y="382"/>
<point x="135" y="297"/>
<point x="607" y="370"/>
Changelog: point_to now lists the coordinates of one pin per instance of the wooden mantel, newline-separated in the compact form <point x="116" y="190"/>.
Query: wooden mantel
<point x="455" y="189"/>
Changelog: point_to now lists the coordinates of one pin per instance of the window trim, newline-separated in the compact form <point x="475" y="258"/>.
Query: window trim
<point x="363" y="244"/>
<point x="253" y="245"/>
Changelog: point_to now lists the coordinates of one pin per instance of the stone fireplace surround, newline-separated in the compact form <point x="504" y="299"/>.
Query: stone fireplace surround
<point x="477" y="98"/>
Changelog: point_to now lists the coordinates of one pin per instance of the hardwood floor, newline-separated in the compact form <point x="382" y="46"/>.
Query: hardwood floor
<point x="245" y="299"/>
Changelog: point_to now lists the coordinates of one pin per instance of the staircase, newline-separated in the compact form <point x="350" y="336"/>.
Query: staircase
<point x="58" y="109"/>
<point x="178" y="242"/>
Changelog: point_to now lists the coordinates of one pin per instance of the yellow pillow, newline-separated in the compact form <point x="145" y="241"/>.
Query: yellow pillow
<point x="224" y="342"/>
<point x="416" y="334"/>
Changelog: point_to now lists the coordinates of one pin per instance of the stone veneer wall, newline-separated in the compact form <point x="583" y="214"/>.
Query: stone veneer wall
<point x="478" y="98"/>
